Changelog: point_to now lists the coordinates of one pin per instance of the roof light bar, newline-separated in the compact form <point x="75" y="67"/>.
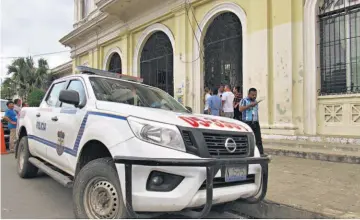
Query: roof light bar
<point x="93" y="71"/>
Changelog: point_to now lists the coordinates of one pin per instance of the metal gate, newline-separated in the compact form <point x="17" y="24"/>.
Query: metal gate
<point x="156" y="62"/>
<point x="223" y="52"/>
<point x="115" y="64"/>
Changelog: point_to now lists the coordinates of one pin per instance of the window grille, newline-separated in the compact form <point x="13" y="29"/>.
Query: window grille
<point x="115" y="64"/>
<point x="223" y="52"/>
<point x="339" y="46"/>
<point x="156" y="62"/>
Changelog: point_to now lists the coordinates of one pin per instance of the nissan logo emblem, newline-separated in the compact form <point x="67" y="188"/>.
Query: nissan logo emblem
<point x="230" y="145"/>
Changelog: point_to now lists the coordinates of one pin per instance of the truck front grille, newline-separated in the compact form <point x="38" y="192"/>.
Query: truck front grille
<point x="216" y="145"/>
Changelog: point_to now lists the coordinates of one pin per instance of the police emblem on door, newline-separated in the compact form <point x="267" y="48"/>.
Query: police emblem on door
<point x="60" y="144"/>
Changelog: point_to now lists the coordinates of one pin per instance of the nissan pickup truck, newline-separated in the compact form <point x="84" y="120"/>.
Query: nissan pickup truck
<point x="129" y="150"/>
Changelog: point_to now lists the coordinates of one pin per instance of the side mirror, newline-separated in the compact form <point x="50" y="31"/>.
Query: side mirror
<point x="189" y="109"/>
<point x="70" y="97"/>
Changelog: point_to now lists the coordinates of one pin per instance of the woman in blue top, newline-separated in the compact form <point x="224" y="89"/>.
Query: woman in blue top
<point x="214" y="103"/>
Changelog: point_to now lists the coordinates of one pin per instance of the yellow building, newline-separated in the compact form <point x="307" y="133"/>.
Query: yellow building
<point x="303" y="56"/>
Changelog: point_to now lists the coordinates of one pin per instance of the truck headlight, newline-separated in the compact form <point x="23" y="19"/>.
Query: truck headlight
<point x="157" y="133"/>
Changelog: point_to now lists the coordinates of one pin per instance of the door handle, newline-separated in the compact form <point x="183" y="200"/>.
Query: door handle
<point x="38" y="115"/>
<point x="54" y="118"/>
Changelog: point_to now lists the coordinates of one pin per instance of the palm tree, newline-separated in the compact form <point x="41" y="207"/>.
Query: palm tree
<point x="26" y="76"/>
<point x="8" y="88"/>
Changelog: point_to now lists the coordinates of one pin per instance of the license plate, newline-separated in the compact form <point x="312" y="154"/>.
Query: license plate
<point x="233" y="174"/>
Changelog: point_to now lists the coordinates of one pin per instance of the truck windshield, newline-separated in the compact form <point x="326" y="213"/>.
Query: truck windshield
<point x="3" y="105"/>
<point x="113" y="90"/>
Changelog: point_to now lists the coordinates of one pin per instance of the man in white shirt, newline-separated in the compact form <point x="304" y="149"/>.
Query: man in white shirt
<point x="17" y="106"/>
<point x="206" y="101"/>
<point x="228" y="102"/>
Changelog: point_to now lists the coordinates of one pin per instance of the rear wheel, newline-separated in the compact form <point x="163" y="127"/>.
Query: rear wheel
<point x="24" y="167"/>
<point x="97" y="192"/>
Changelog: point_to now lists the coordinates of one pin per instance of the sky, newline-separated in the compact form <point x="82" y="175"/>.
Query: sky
<point x="30" y="27"/>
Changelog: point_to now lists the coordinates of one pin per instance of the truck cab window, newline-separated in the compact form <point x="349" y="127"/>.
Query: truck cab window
<point x="76" y="85"/>
<point x="53" y="96"/>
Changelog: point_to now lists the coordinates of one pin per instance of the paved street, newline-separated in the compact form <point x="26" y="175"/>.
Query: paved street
<point x="319" y="186"/>
<point x="41" y="197"/>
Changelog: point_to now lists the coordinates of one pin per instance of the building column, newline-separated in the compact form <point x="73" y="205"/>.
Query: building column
<point x="311" y="62"/>
<point x="124" y="58"/>
<point x="95" y="58"/>
<point x="91" y="62"/>
<point x="259" y="74"/>
<point x="282" y="77"/>
<point x="180" y="56"/>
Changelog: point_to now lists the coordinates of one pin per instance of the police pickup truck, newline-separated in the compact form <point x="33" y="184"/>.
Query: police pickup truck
<point x="129" y="150"/>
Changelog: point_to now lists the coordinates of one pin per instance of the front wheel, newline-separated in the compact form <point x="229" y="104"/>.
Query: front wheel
<point x="97" y="192"/>
<point x="24" y="167"/>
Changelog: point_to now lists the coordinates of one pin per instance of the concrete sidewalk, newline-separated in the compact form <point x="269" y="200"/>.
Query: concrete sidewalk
<point x="326" y="148"/>
<point x="328" y="188"/>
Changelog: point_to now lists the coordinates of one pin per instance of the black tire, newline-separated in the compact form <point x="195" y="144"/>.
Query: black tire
<point x="98" y="174"/>
<point x="24" y="167"/>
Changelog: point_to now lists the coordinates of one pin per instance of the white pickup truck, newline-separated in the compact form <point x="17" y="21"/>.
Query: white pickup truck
<point x="130" y="150"/>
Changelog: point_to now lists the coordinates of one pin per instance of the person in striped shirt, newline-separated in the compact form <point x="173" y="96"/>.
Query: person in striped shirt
<point x="250" y="115"/>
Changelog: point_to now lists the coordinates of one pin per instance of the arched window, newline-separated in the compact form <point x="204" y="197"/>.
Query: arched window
<point x="339" y="30"/>
<point x="223" y="51"/>
<point x="115" y="64"/>
<point x="156" y="62"/>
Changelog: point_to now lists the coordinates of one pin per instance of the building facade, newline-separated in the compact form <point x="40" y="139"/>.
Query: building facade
<point x="63" y="70"/>
<point x="303" y="56"/>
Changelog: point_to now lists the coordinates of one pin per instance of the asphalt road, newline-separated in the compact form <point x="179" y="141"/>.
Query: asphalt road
<point x="42" y="197"/>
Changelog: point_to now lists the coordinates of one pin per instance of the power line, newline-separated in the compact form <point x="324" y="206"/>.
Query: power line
<point x="37" y="55"/>
<point x="193" y="31"/>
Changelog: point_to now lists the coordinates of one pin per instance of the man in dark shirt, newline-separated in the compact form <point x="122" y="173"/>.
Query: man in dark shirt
<point x="238" y="96"/>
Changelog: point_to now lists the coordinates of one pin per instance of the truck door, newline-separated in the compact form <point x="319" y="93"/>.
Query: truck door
<point x="68" y="128"/>
<point x="40" y="140"/>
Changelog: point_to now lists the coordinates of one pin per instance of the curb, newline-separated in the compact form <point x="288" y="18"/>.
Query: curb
<point x="271" y="210"/>
<point x="315" y="156"/>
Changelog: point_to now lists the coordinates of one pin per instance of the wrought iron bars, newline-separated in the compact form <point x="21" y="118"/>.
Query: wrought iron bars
<point x="339" y="25"/>
<point x="156" y="62"/>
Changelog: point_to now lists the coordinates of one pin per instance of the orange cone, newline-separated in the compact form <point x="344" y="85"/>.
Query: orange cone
<point x="2" y="141"/>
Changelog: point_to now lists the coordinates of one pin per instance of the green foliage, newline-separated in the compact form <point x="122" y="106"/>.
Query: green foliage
<point x="25" y="76"/>
<point x="35" y="97"/>
<point x="8" y="89"/>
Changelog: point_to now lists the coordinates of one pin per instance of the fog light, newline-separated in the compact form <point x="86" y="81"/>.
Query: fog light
<point x="162" y="182"/>
<point x="157" y="180"/>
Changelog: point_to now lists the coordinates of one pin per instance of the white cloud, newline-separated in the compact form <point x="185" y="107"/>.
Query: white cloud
<point x="31" y="27"/>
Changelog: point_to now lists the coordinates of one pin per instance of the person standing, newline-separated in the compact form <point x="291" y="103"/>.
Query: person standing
<point x="250" y="115"/>
<point x="215" y="103"/>
<point x="237" y="99"/>
<point x="206" y="100"/>
<point x="11" y="118"/>
<point x="17" y="106"/>
<point x="221" y="90"/>
<point x="228" y="102"/>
